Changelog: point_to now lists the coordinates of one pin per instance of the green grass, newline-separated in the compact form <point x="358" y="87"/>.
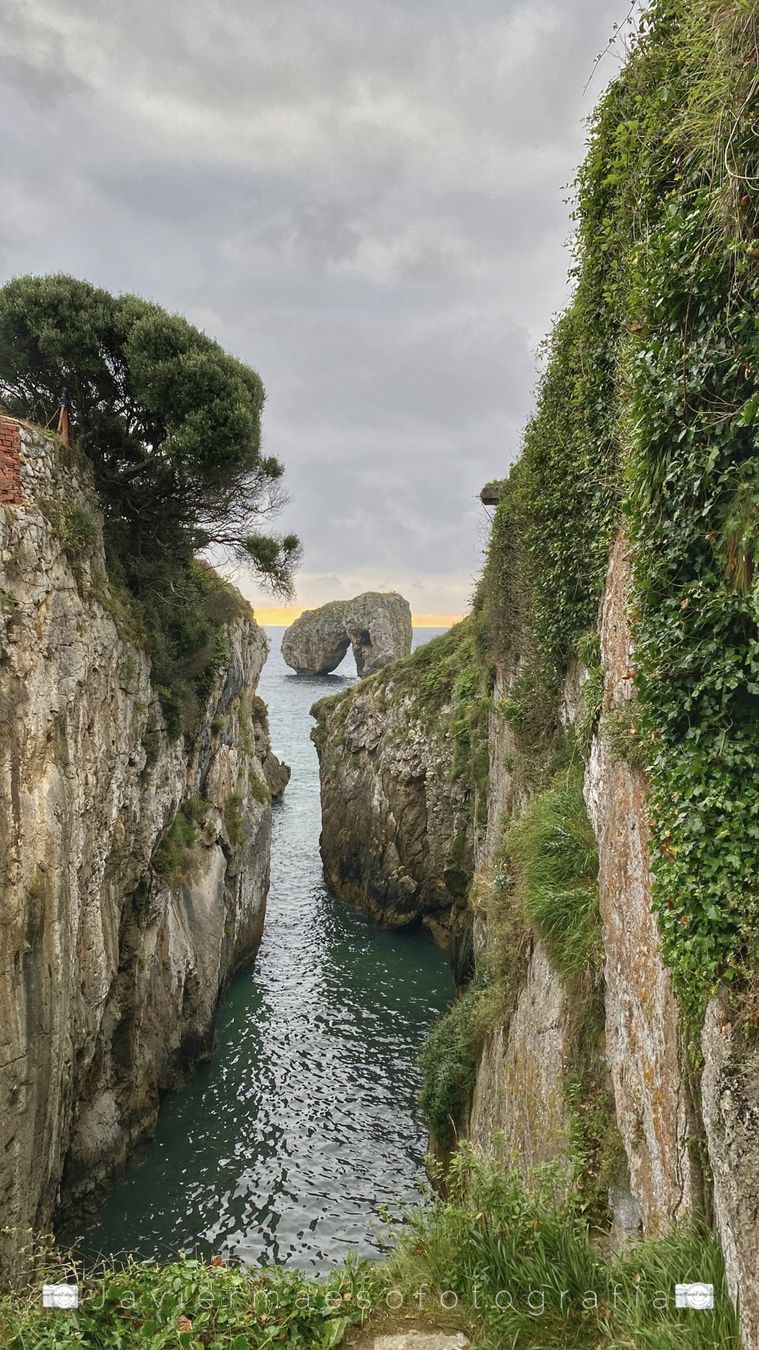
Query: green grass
<point x="515" y="1266"/>
<point x="234" y="819"/>
<point x="492" y="1240"/>
<point x="259" y="789"/>
<point x="553" y="848"/>
<point x="449" y="1065"/>
<point x="175" y="857"/>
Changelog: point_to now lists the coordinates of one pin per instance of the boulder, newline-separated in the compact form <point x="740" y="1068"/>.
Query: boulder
<point x="377" y="625"/>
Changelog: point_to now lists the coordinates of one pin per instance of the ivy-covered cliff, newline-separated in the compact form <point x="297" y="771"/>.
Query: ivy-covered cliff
<point x="612" y="890"/>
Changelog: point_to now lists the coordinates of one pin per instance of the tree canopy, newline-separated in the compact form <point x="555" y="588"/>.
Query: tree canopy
<point x="170" y="421"/>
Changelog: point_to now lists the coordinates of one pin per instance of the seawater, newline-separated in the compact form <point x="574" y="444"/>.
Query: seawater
<point x="304" y="1124"/>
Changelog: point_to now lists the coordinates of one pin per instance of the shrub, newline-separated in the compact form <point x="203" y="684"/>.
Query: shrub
<point x="169" y="420"/>
<point x="79" y="533"/>
<point x="622" y="729"/>
<point x="171" y="426"/>
<point x="259" y="789"/>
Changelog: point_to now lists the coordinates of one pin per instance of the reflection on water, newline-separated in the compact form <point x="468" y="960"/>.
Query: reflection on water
<point x="283" y="1147"/>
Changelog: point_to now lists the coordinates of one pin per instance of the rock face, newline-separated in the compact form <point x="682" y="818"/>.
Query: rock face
<point x="519" y="1095"/>
<point x="397" y="833"/>
<point x="317" y="642"/>
<point x="654" y="1111"/>
<point x="389" y="803"/>
<point x="376" y="625"/>
<point x="117" y="950"/>
<point x="379" y="628"/>
<point x="730" y="1105"/>
<point x="519" y="1105"/>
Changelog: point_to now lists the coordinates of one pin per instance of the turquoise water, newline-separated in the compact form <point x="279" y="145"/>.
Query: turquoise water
<point x="283" y="1147"/>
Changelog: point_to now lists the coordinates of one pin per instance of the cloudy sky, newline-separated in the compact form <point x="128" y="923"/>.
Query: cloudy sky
<point x="365" y="199"/>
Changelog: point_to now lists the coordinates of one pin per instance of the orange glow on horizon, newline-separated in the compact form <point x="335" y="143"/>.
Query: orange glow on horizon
<point x="283" y="616"/>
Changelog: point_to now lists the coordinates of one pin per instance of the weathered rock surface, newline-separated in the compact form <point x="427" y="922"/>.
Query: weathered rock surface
<point x="379" y="628"/>
<point x="730" y="1105"/>
<point x="396" y="821"/>
<point x="519" y="1099"/>
<point x="654" y="1111"/>
<point x="317" y="642"/>
<point x="113" y="967"/>
<point x="377" y="625"/>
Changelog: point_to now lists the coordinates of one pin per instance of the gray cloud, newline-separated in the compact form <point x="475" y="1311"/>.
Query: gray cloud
<point x="364" y="201"/>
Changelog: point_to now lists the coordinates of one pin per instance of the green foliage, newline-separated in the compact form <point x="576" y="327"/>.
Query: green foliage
<point x="79" y="533"/>
<point x="188" y="1303"/>
<point x="196" y="809"/>
<point x="259" y="789"/>
<point x="175" y="859"/>
<point x="511" y="1264"/>
<point x="591" y="703"/>
<point x="595" y="1145"/>
<point x="185" y="613"/>
<point x="691" y="473"/>
<point x="524" y="1269"/>
<point x="650" y="394"/>
<point x="553" y="848"/>
<point x="171" y="422"/>
<point x="234" y="819"/>
<point x="449" y="1064"/>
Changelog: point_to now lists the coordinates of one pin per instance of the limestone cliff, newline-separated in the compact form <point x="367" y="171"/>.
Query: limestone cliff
<point x="392" y="803"/>
<point x="135" y="866"/>
<point x="399" y="813"/>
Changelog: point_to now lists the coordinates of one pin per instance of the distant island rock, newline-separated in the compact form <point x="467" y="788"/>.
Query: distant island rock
<point x="377" y="625"/>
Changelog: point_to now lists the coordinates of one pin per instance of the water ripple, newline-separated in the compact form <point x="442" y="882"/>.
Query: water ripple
<point x="304" y="1123"/>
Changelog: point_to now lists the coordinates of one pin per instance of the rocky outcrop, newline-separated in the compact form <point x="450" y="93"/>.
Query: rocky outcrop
<point x="317" y="642"/>
<point x="379" y="628"/>
<point x="520" y="1098"/>
<point x="397" y="832"/>
<point x="376" y="625"/>
<point x="135" y="867"/>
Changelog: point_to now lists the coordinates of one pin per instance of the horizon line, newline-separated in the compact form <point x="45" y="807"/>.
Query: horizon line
<point x="283" y="616"/>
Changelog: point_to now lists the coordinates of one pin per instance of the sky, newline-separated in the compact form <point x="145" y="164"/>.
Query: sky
<point x="365" y="201"/>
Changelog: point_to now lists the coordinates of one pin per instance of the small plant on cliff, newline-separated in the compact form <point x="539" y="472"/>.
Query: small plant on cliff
<point x="234" y="819"/>
<point x="449" y="1065"/>
<point x="553" y="848"/>
<point x="174" y="860"/>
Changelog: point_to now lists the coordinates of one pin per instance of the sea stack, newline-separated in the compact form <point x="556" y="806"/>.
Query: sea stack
<point x="376" y="624"/>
